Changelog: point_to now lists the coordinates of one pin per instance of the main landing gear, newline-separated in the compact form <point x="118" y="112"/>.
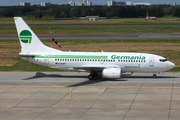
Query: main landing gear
<point x="92" y="75"/>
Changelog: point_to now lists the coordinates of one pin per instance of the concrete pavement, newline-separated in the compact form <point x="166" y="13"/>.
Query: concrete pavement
<point x="70" y="95"/>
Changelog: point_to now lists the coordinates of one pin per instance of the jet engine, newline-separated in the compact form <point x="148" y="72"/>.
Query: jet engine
<point x="111" y="73"/>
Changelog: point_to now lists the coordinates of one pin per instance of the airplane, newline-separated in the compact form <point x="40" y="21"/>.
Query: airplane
<point x="107" y="64"/>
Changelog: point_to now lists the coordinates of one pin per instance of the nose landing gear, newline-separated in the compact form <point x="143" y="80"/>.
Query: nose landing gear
<point x="154" y="76"/>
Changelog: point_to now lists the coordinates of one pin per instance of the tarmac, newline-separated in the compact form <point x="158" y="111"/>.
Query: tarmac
<point x="71" y="96"/>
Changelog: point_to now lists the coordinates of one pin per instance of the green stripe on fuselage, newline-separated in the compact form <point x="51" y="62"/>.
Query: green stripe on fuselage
<point x="73" y="56"/>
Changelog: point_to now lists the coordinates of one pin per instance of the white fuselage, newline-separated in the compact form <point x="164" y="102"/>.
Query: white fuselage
<point x="96" y="61"/>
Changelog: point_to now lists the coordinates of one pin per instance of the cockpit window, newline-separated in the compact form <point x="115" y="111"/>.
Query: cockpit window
<point x="163" y="60"/>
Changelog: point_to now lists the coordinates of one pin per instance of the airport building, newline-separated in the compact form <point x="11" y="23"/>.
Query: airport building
<point x="45" y="3"/>
<point x="92" y="18"/>
<point x="146" y="4"/>
<point x="115" y="3"/>
<point x="25" y="4"/>
<point x="80" y="3"/>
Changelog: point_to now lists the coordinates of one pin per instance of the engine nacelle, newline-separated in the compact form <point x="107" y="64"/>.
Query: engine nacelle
<point x="111" y="73"/>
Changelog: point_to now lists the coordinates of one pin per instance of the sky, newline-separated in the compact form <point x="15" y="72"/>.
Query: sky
<point x="95" y="2"/>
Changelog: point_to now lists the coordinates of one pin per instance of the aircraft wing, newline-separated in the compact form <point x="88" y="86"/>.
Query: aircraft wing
<point x="94" y="67"/>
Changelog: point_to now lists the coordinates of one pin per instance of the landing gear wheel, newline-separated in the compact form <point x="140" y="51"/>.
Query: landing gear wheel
<point x="154" y="76"/>
<point x="95" y="74"/>
<point x="90" y="77"/>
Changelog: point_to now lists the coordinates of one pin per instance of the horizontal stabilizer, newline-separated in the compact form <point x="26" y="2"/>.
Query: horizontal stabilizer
<point x="26" y="55"/>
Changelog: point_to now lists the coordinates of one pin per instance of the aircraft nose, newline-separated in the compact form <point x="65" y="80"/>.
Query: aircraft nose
<point x="171" y="65"/>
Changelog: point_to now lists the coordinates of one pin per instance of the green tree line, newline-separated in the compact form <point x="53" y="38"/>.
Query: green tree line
<point x="57" y="11"/>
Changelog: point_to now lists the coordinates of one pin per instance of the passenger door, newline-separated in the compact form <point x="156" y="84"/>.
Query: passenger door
<point x="151" y="62"/>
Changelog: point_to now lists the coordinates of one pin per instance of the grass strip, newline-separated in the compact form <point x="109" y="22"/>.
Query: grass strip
<point x="115" y="29"/>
